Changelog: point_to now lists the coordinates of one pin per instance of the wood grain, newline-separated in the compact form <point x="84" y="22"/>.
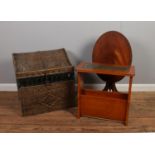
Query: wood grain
<point x="80" y="68"/>
<point x="141" y="117"/>
<point x="112" y="48"/>
<point x="106" y="104"/>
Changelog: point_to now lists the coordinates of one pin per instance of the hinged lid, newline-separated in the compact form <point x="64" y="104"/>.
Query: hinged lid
<point x="41" y="62"/>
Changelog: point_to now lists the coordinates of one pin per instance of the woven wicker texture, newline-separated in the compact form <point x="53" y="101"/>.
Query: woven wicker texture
<point x="45" y="81"/>
<point x="34" y="63"/>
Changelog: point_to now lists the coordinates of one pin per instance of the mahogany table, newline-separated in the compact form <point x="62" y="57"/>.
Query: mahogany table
<point x="112" y="48"/>
<point x="104" y="104"/>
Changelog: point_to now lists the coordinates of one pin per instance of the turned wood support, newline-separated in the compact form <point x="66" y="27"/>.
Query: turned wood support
<point x="110" y="87"/>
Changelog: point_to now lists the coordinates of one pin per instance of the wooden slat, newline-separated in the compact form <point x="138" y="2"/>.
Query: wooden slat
<point x="103" y="107"/>
<point x="104" y="94"/>
<point x="80" y="68"/>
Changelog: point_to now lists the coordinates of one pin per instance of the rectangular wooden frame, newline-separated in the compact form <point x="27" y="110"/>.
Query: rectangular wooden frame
<point x="109" y="105"/>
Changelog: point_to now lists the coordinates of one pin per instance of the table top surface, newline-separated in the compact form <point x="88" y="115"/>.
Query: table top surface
<point x="87" y="67"/>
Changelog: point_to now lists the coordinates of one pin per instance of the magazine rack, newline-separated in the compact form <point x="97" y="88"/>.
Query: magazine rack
<point x="109" y="105"/>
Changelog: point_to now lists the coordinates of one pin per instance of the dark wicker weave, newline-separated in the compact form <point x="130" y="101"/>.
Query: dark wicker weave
<point x="45" y="81"/>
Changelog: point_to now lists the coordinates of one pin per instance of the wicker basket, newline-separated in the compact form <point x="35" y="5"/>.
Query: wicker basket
<point x="45" y="81"/>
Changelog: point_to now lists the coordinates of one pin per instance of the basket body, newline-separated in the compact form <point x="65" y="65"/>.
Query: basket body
<point x="45" y="81"/>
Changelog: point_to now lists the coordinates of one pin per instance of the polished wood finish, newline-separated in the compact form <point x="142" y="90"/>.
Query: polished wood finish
<point x="80" y="68"/>
<point x="110" y="105"/>
<point x="112" y="48"/>
<point x="103" y="104"/>
<point x="141" y="117"/>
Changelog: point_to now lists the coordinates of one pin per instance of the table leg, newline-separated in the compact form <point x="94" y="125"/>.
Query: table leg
<point x="80" y="86"/>
<point x="129" y="100"/>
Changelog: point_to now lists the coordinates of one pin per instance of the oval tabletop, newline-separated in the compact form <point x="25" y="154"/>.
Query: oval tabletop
<point x="112" y="48"/>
